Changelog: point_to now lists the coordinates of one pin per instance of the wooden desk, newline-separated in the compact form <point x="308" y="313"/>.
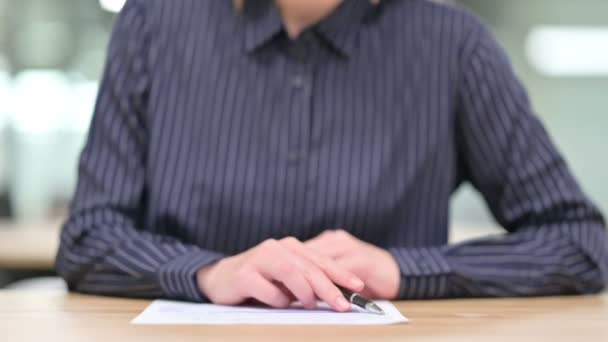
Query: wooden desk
<point x="30" y="316"/>
<point x="29" y="246"/>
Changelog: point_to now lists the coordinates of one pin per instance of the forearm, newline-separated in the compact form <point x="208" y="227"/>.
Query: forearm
<point x="110" y="257"/>
<point x="551" y="260"/>
<point x="557" y="242"/>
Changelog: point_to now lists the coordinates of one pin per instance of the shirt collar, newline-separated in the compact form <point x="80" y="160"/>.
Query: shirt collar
<point x="263" y="23"/>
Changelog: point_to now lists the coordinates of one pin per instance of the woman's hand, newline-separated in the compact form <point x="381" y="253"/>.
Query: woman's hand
<point x="275" y="272"/>
<point x="375" y="266"/>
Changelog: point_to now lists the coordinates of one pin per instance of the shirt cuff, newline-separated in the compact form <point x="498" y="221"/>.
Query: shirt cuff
<point x="424" y="272"/>
<point x="178" y="277"/>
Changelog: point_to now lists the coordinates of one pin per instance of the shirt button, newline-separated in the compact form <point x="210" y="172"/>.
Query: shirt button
<point x="297" y="82"/>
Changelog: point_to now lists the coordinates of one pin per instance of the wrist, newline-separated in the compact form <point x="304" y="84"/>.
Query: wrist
<point x="393" y="281"/>
<point x="204" y="276"/>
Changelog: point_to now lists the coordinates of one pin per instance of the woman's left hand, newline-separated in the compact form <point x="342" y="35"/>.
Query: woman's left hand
<point x="375" y="266"/>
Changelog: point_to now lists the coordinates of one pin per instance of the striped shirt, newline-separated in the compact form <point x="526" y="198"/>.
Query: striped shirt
<point x="214" y="131"/>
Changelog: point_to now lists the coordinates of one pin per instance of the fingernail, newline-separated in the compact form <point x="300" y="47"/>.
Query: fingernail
<point x="356" y="283"/>
<point x="342" y="303"/>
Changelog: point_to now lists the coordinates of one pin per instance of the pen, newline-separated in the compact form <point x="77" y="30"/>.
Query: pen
<point x="358" y="300"/>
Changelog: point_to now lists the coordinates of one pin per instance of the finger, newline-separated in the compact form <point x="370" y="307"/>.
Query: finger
<point x="285" y="270"/>
<point x="321" y="240"/>
<point x="285" y="290"/>
<point x="326" y="249"/>
<point x="336" y="273"/>
<point x="331" y="244"/>
<point x="276" y="263"/>
<point x="262" y="290"/>
<point x="356" y="266"/>
<point x="323" y="287"/>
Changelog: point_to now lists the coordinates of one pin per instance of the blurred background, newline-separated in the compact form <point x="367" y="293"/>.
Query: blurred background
<point x="52" y="54"/>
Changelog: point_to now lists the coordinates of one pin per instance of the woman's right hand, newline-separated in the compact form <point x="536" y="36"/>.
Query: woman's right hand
<point x="276" y="271"/>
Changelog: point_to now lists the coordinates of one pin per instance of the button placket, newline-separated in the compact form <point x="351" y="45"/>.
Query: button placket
<point x="299" y="83"/>
<point x="300" y="112"/>
<point x="297" y="51"/>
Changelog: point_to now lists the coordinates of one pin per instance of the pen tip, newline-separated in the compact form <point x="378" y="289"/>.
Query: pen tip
<point x="371" y="307"/>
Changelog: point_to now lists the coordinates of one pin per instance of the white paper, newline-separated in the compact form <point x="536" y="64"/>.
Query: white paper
<point x="171" y="312"/>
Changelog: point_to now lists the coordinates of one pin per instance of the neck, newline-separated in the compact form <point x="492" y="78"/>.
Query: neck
<point x="298" y="15"/>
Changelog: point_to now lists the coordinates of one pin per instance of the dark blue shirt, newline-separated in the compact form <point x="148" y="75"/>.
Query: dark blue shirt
<point x="214" y="131"/>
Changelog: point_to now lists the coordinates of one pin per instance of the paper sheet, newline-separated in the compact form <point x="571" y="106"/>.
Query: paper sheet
<point x="171" y="312"/>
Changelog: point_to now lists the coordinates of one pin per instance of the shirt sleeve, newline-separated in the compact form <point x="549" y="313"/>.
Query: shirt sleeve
<point x="556" y="241"/>
<point x="104" y="248"/>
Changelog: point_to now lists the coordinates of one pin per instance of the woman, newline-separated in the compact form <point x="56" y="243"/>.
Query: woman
<point x="231" y="140"/>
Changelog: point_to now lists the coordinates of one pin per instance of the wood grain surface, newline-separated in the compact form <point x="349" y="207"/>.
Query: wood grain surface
<point x="29" y="246"/>
<point x="35" y="316"/>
